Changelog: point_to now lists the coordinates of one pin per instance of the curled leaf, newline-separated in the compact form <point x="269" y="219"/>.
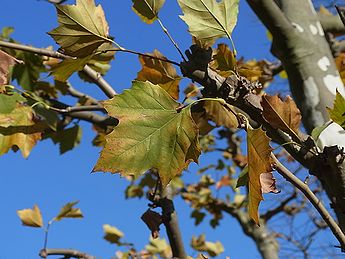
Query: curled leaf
<point x="147" y="10"/>
<point x="153" y="220"/>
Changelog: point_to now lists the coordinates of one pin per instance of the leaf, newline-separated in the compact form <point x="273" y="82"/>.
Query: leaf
<point x="201" y="245"/>
<point x="147" y="10"/>
<point x="82" y="28"/>
<point x="209" y="20"/>
<point x="151" y="134"/>
<point x="198" y="216"/>
<point x="318" y="130"/>
<point x="243" y="178"/>
<point x="112" y="234"/>
<point x="18" y="128"/>
<point x="28" y="71"/>
<point x="31" y="217"/>
<point x="224" y="60"/>
<point x="259" y="162"/>
<point x="280" y="114"/>
<point x="67" y="138"/>
<point x="268" y="183"/>
<point x="220" y="114"/>
<point x="337" y="114"/>
<point x="68" y="211"/>
<point x="153" y="220"/>
<point x="9" y="101"/>
<point x="63" y="70"/>
<point x="159" y="246"/>
<point x="160" y="73"/>
<point x="6" y="62"/>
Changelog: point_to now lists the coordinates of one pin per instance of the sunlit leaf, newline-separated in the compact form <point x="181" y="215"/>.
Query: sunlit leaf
<point x="18" y="128"/>
<point x="151" y="133"/>
<point x="200" y="244"/>
<point x="221" y="114"/>
<point x="9" y="101"/>
<point x="67" y="211"/>
<point x="112" y="234"/>
<point x="31" y="217"/>
<point x="147" y="10"/>
<point x="280" y="114"/>
<point x="259" y="162"/>
<point x="160" y="73"/>
<point x="337" y="114"/>
<point x="82" y="28"/>
<point x="224" y="60"/>
<point x="209" y="20"/>
<point x="63" y="70"/>
<point x="159" y="247"/>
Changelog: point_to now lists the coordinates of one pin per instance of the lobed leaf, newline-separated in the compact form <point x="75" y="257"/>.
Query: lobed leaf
<point x="259" y="162"/>
<point x="31" y="217"/>
<point x="209" y="20"/>
<point x="6" y="62"/>
<point x="19" y="129"/>
<point x="160" y="73"/>
<point x="82" y="28"/>
<point x="151" y="133"/>
<point x="147" y="10"/>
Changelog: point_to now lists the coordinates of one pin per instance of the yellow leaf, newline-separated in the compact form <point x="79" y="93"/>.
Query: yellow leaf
<point x="18" y="128"/>
<point x="224" y="60"/>
<point x="31" y="217"/>
<point x="259" y="161"/>
<point x="147" y="10"/>
<point x="160" y="73"/>
<point x="112" y="234"/>
<point x="221" y="114"/>
<point x="68" y="211"/>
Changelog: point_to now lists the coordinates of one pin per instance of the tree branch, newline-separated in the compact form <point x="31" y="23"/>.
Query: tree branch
<point x="313" y="199"/>
<point x="67" y="253"/>
<point x="88" y="71"/>
<point x="332" y="24"/>
<point x="71" y="109"/>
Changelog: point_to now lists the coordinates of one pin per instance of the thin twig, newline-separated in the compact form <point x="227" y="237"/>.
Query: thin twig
<point x="313" y="199"/>
<point x="341" y="11"/>
<point x="92" y="74"/>
<point x="70" y="109"/>
<point x="67" y="253"/>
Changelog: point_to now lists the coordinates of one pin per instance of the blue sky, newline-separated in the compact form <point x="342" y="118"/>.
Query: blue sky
<point x="50" y="180"/>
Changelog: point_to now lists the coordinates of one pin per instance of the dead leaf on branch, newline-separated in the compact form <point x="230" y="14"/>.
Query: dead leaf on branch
<point x="280" y="114"/>
<point x="151" y="134"/>
<point x="31" y="217"/>
<point x="259" y="162"/>
<point x="153" y="220"/>
<point x="6" y="62"/>
<point x="160" y="73"/>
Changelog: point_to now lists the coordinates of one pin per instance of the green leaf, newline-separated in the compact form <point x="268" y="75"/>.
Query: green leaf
<point x="198" y="216"/>
<point x="147" y="10"/>
<point x="67" y="211"/>
<point x="151" y="133"/>
<point x="82" y="28"/>
<point x="243" y="178"/>
<point x="19" y="129"/>
<point x="112" y="234"/>
<point x="318" y="130"/>
<point x="31" y="217"/>
<point x="337" y="114"/>
<point x="209" y="20"/>
<point x="67" y="138"/>
<point x="9" y="101"/>
<point x="63" y="70"/>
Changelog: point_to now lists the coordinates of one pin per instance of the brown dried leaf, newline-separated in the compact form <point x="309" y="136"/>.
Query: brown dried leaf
<point x="160" y="73"/>
<point x="268" y="183"/>
<point x="153" y="220"/>
<point x="259" y="162"/>
<point x="280" y="114"/>
<point x="6" y="62"/>
<point x="220" y="114"/>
